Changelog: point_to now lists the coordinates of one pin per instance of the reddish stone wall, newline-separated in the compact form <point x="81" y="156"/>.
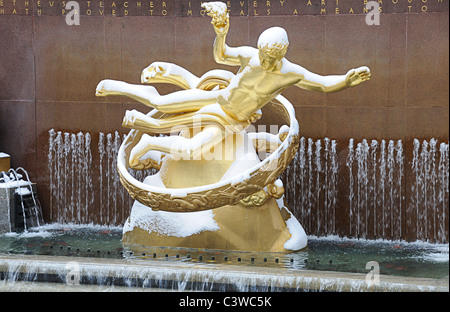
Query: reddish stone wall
<point x="49" y="71"/>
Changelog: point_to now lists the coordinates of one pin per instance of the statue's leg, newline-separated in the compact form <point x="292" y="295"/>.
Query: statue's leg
<point x="178" y="146"/>
<point x="136" y="120"/>
<point x="176" y="102"/>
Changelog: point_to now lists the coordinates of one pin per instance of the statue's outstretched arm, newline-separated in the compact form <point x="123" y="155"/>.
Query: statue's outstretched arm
<point x="327" y="84"/>
<point x="222" y="53"/>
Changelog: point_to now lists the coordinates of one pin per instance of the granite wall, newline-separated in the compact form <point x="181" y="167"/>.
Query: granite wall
<point x="49" y="71"/>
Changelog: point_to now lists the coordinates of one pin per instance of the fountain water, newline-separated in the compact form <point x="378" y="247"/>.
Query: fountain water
<point x="429" y="205"/>
<point x="18" y="202"/>
<point x="379" y="192"/>
<point x="69" y="165"/>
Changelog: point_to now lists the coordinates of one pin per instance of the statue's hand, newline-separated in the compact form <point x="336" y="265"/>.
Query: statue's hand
<point x="220" y="17"/>
<point x="357" y="76"/>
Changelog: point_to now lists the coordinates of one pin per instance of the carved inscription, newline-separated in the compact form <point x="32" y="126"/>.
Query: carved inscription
<point x="186" y="8"/>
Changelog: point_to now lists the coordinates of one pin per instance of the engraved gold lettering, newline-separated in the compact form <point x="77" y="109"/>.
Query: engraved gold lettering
<point x="38" y="3"/>
<point x="27" y="3"/>
<point x="39" y="12"/>
<point x="138" y="4"/>
<point x="336" y="11"/>
<point x="242" y="12"/>
<point x="409" y="8"/>
<point x="323" y="11"/>
<point x="351" y="11"/>
<point x="113" y="12"/>
<point x="164" y="4"/>
<point x="268" y="3"/>
<point x="100" y="4"/>
<point x="255" y="4"/>
<point x="113" y="5"/>
<point x="189" y="12"/>
<point x="282" y="2"/>
<point x="101" y="12"/>
<point x="164" y="12"/>
<point x="88" y="12"/>
<point x="242" y="3"/>
<point x="295" y="12"/>
<point x="322" y="2"/>
<point x="125" y="12"/>
<point x="51" y="3"/>
<point x="309" y="3"/>
<point x="14" y="11"/>
<point x="268" y="11"/>
<point x="424" y="8"/>
<point x="394" y="1"/>
<point x="125" y="4"/>
<point x="89" y="4"/>
<point x="1" y="3"/>
<point x="26" y="10"/>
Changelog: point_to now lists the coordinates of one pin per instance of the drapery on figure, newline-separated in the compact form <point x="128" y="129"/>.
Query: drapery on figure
<point x="220" y="98"/>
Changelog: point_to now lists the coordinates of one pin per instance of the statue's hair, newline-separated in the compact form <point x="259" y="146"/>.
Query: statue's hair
<point x="274" y="42"/>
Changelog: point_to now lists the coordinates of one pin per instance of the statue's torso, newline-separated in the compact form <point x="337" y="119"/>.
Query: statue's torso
<point x="253" y="88"/>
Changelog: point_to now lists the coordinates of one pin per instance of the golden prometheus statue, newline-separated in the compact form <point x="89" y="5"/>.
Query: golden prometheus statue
<point x="212" y="188"/>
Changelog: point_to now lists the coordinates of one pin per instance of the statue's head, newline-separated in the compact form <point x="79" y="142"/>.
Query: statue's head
<point x="272" y="44"/>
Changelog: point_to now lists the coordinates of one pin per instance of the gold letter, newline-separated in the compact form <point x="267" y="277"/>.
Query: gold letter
<point x="309" y="3"/>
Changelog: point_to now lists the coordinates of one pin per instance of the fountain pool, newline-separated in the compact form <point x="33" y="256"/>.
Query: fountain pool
<point x="44" y="254"/>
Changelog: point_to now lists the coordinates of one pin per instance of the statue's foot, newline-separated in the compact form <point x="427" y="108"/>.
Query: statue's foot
<point x="104" y="87"/>
<point x="137" y="120"/>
